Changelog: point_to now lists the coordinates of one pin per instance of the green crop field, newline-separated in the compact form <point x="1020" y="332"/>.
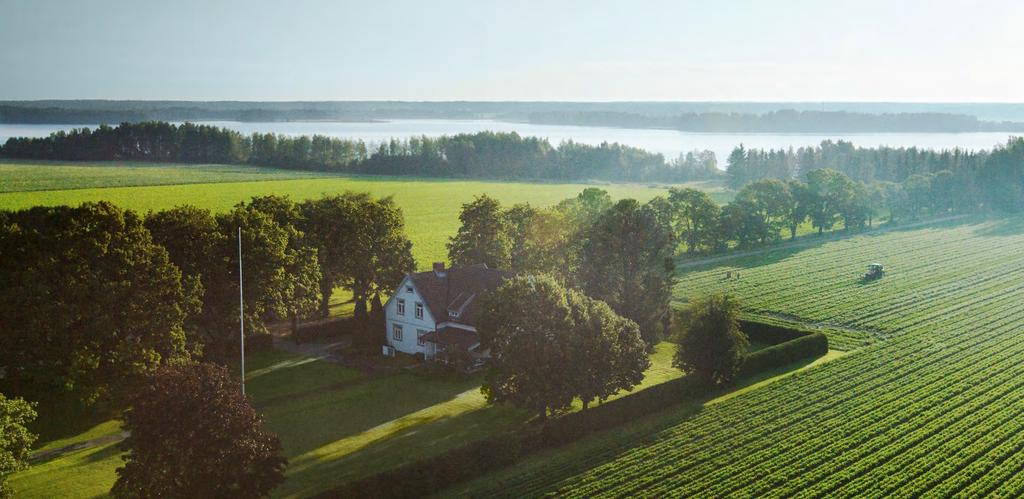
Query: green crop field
<point x="931" y="406"/>
<point x="431" y="206"/>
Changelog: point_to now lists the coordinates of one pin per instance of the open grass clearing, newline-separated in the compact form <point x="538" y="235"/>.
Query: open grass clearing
<point x="340" y="424"/>
<point x="431" y="205"/>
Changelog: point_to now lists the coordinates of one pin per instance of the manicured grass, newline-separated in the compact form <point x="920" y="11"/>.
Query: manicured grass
<point x="335" y="424"/>
<point x="83" y="473"/>
<point x="21" y="176"/>
<point x="431" y="206"/>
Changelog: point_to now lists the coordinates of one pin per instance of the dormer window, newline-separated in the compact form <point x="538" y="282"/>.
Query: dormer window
<point x="459" y="304"/>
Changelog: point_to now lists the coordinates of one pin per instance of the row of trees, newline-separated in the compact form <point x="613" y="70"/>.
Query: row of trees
<point x="617" y="252"/>
<point x="971" y="180"/>
<point x="479" y="155"/>
<point x="764" y="209"/>
<point x="103" y="309"/>
<point x="95" y="295"/>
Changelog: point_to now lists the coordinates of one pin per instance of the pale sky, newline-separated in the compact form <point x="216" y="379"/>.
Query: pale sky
<point x="913" y="51"/>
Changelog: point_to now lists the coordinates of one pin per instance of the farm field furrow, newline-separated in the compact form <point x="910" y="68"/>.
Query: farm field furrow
<point x="934" y="406"/>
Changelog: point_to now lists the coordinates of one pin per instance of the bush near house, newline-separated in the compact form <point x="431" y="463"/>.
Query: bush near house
<point x="477" y="458"/>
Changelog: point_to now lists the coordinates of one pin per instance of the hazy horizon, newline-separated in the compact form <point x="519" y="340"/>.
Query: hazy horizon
<point x="315" y="50"/>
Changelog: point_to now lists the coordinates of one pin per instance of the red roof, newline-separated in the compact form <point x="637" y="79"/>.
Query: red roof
<point x="454" y="296"/>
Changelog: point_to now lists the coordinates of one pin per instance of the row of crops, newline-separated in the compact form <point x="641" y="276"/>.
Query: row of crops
<point x="934" y="406"/>
<point x="929" y="271"/>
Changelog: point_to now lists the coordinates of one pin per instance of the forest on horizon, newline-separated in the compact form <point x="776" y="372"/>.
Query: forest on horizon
<point x="784" y="117"/>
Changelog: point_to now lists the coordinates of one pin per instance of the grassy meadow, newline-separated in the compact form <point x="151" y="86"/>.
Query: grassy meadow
<point x="431" y="206"/>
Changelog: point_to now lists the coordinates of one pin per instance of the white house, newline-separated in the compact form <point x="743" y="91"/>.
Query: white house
<point x="436" y="311"/>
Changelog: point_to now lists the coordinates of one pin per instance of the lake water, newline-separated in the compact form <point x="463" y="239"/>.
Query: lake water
<point x="668" y="142"/>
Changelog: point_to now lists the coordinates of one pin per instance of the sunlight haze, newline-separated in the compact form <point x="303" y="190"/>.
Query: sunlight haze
<point x="459" y="50"/>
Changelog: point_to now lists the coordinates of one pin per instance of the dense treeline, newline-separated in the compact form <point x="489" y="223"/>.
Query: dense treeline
<point x="951" y="179"/>
<point x="96" y="296"/>
<point x="703" y="116"/>
<point x="617" y="252"/>
<point x="479" y="155"/>
<point x="781" y="121"/>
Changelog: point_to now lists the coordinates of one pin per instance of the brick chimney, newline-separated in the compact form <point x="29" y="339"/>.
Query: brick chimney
<point x="439" y="269"/>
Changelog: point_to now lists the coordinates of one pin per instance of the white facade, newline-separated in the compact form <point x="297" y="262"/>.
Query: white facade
<point x="408" y="317"/>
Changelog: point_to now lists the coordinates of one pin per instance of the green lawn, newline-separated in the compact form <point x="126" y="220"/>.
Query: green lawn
<point x="431" y="206"/>
<point x="21" y="175"/>
<point x="335" y="424"/>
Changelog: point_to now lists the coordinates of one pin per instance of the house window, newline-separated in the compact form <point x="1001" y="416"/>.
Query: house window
<point x="408" y="289"/>
<point x="419" y="337"/>
<point x="401" y="306"/>
<point x="396" y="332"/>
<point x="419" y="310"/>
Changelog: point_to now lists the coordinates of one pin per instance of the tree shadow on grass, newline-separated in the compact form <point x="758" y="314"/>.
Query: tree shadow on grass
<point x="311" y="474"/>
<point x="112" y="450"/>
<point x="544" y="469"/>
<point x="59" y="419"/>
<point x="386" y="404"/>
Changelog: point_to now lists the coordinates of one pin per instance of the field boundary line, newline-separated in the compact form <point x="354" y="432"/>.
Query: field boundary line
<point x="809" y="240"/>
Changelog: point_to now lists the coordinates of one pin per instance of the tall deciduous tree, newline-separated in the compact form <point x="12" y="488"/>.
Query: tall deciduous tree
<point x="550" y="345"/>
<point x="382" y="253"/>
<point x="546" y="246"/>
<point x="301" y="293"/>
<point x="193" y="434"/>
<point x="800" y="206"/>
<point x="607" y="352"/>
<point x="15" y="438"/>
<point x="712" y="346"/>
<point x="627" y="263"/>
<point x="831" y="191"/>
<point x="194" y="244"/>
<point x="331" y="224"/>
<point x="526" y="323"/>
<point x="88" y="301"/>
<point x="584" y="209"/>
<point x="483" y="236"/>
<point x="696" y="216"/>
<point x="265" y="272"/>
<point x="770" y="200"/>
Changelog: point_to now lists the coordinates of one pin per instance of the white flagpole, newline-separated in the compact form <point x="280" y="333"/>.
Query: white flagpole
<point x="241" y="307"/>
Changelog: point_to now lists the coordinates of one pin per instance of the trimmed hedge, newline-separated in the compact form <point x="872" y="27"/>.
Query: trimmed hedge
<point x="771" y="333"/>
<point x="433" y="474"/>
<point x="806" y="346"/>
